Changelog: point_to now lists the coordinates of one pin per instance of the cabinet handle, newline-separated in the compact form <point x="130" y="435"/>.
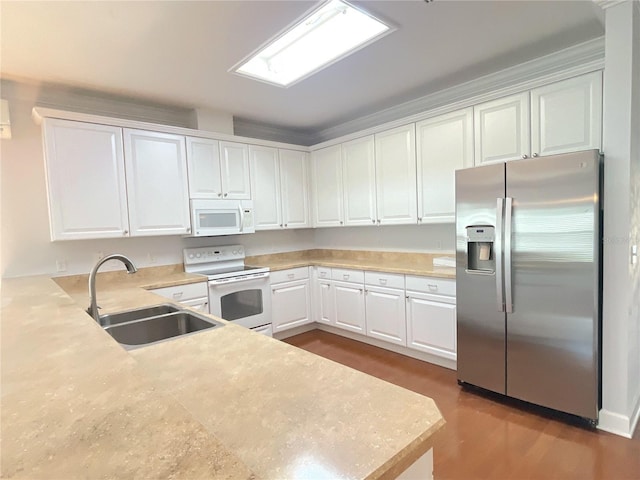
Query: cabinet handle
<point x="280" y="225"/>
<point x="534" y="155"/>
<point x="432" y="287"/>
<point x="373" y="221"/>
<point x="290" y="275"/>
<point x="125" y="232"/>
<point x="378" y="221"/>
<point x="345" y="276"/>
<point x="188" y="230"/>
<point x="286" y="225"/>
<point x="419" y="219"/>
<point x="177" y="295"/>
<point x="226" y="194"/>
<point x="407" y="297"/>
<point x="220" y="194"/>
<point x="525" y="156"/>
<point x="361" y="290"/>
<point x="383" y="281"/>
<point x="341" y="222"/>
<point x="274" y="291"/>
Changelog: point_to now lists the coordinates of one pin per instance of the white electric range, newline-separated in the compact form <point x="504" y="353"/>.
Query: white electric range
<point x="237" y="293"/>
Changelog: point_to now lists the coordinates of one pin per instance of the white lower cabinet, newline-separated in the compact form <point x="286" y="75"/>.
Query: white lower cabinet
<point x="194" y="295"/>
<point x="290" y="299"/>
<point x="385" y="307"/>
<point x="349" y="306"/>
<point x="431" y="317"/>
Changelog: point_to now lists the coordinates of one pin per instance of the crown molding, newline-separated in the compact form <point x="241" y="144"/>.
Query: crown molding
<point x="252" y="129"/>
<point x="604" y="4"/>
<point x="579" y="59"/>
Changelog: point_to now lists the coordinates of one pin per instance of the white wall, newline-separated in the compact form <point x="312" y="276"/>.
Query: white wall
<point x="412" y="238"/>
<point x="621" y="145"/>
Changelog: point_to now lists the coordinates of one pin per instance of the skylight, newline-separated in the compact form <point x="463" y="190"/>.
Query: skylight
<point x="328" y="34"/>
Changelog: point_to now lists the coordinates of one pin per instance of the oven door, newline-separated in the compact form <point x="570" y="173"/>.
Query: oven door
<point x="246" y="302"/>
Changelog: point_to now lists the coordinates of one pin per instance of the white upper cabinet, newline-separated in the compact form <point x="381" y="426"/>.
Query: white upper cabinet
<point x="280" y="184"/>
<point x="157" y="187"/>
<point x="294" y="181"/>
<point x="395" y="154"/>
<point x="567" y="116"/>
<point x="236" y="180"/>
<point x="502" y="129"/>
<point x="265" y="185"/>
<point x="203" y="161"/>
<point x="85" y="180"/>
<point x="444" y="144"/>
<point x="359" y="180"/>
<point x="327" y="188"/>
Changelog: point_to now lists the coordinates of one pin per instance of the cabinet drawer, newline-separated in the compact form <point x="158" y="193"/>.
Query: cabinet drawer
<point x="289" y="275"/>
<point x="346" y="275"/>
<point x="390" y="280"/>
<point x="438" y="286"/>
<point x="180" y="293"/>
<point x="324" y="272"/>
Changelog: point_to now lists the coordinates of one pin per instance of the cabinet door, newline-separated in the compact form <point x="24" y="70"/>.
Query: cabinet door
<point x="326" y="302"/>
<point x="501" y="129"/>
<point x="359" y="181"/>
<point x="349" y="306"/>
<point x="444" y="144"/>
<point x="294" y="179"/>
<point x="157" y="189"/>
<point x="85" y="180"/>
<point x="431" y="326"/>
<point x="290" y="305"/>
<point x="396" y="176"/>
<point x="203" y="167"/>
<point x="236" y="180"/>
<point x="567" y="116"/>
<point x="327" y="187"/>
<point x="265" y="186"/>
<point x="385" y="310"/>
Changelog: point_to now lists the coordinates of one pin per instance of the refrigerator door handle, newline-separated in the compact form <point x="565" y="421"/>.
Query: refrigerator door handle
<point x="508" y="214"/>
<point x="498" y="252"/>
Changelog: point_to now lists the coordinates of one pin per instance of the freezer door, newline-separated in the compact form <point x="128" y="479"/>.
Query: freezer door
<point x="552" y="334"/>
<point x="481" y="317"/>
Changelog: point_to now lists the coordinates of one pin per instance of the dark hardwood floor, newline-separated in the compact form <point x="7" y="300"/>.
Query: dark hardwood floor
<point x="487" y="436"/>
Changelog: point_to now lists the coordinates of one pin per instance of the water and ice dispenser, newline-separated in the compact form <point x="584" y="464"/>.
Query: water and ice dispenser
<point x="480" y="249"/>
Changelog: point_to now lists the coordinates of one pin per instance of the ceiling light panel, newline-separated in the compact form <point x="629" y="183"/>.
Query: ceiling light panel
<point x="331" y="32"/>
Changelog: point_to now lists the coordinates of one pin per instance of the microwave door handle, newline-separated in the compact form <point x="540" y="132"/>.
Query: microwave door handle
<point x="241" y="218"/>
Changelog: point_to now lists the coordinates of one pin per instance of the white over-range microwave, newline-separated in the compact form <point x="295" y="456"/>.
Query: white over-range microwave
<point x="221" y="217"/>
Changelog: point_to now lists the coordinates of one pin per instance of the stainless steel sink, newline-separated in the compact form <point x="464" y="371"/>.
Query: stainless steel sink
<point x="137" y="314"/>
<point x="141" y="332"/>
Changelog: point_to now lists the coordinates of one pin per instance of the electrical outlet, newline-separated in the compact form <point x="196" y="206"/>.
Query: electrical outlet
<point x="151" y="258"/>
<point x="61" y="266"/>
<point x="439" y="244"/>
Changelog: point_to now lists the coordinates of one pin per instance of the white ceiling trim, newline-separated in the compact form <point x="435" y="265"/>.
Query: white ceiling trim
<point x="604" y="4"/>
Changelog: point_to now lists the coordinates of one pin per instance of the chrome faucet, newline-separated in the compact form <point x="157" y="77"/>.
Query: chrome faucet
<point x="93" y="307"/>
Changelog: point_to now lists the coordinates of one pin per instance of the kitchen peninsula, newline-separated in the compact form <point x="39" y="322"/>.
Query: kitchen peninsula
<point x="225" y="403"/>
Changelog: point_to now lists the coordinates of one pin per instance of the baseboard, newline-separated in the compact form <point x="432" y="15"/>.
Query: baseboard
<point x="425" y="357"/>
<point x="618" y="424"/>
<point x="295" y="331"/>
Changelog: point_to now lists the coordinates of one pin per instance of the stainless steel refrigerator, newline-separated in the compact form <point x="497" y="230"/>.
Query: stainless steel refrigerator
<point x="528" y="280"/>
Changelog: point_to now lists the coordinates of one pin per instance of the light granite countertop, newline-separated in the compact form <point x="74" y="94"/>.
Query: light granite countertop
<point x="392" y="262"/>
<point x="224" y="403"/>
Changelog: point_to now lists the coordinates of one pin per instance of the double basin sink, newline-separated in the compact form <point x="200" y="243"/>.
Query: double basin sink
<point x="145" y="326"/>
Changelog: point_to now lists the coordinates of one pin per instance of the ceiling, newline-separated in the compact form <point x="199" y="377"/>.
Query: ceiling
<point x="179" y="52"/>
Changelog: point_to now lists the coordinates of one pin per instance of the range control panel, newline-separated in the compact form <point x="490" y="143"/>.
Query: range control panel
<point x="225" y="253"/>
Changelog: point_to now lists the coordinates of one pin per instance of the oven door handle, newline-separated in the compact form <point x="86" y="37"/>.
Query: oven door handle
<point x="241" y="218"/>
<point x="227" y="281"/>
